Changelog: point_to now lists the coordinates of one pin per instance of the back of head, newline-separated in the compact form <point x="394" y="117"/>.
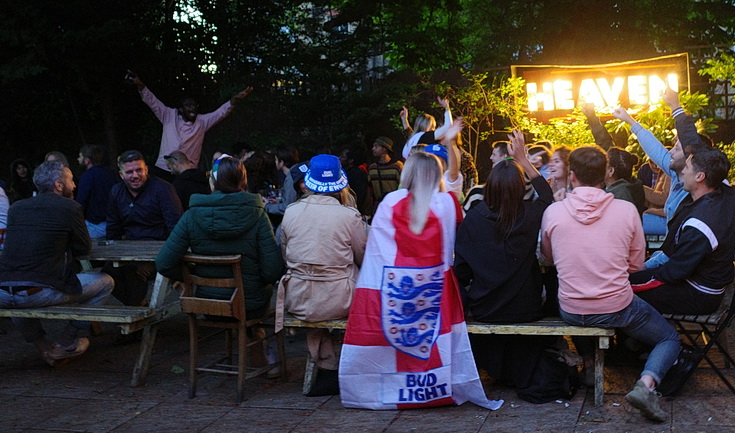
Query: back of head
<point x="542" y="151"/>
<point x="588" y="164"/>
<point x="229" y="175"/>
<point x="177" y="162"/>
<point x="129" y="156"/>
<point x="421" y="176"/>
<point x="288" y="154"/>
<point x="56" y="155"/>
<point x="47" y="174"/>
<point x="504" y="192"/>
<point x="423" y="123"/>
<point x="93" y="152"/>
<point x="712" y="162"/>
<point x="544" y="143"/>
<point x="622" y="162"/>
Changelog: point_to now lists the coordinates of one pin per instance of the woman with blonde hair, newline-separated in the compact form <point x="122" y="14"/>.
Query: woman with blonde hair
<point x="424" y="128"/>
<point x="406" y="320"/>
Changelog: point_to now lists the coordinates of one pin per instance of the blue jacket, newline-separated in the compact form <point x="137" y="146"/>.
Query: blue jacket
<point x="93" y="192"/>
<point x="151" y="215"/>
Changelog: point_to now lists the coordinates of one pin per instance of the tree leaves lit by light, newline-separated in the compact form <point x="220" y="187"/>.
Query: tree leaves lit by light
<point x="189" y="13"/>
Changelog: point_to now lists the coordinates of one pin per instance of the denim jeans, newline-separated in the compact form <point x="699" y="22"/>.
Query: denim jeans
<point x="96" y="287"/>
<point x="96" y="231"/>
<point x="642" y="322"/>
<point x="654" y="224"/>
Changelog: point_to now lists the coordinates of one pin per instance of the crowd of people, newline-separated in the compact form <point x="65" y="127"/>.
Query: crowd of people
<point x="405" y="246"/>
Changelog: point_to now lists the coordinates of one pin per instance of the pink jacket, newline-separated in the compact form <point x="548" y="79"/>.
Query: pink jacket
<point x="179" y="134"/>
<point x="594" y="240"/>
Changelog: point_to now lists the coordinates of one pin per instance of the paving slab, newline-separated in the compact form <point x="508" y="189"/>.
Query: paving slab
<point x="259" y="420"/>
<point x="93" y="394"/>
<point x="174" y="418"/>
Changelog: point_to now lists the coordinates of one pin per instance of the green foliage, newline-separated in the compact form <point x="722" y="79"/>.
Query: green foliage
<point x="658" y="120"/>
<point x="572" y="131"/>
<point x="720" y="69"/>
<point x="487" y="106"/>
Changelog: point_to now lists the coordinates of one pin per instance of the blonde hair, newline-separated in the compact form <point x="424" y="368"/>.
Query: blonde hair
<point x="421" y="176"/>
<point x="424" y="123"/>
<point x="417" y="148"/>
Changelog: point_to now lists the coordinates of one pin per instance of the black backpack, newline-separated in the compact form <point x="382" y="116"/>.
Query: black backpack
<point x="552" y="379"/>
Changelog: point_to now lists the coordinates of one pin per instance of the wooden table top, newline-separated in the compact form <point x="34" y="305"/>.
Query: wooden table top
<point x="142" y="251"/>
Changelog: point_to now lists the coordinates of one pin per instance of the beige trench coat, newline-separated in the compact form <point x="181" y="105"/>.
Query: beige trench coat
<point x="323" y="244"/>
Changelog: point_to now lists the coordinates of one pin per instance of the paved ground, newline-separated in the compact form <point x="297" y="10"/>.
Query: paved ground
<point x="93" y="394"/>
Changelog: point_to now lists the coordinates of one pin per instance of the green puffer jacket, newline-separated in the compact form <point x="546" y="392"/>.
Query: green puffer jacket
<point x="219" y="224"/>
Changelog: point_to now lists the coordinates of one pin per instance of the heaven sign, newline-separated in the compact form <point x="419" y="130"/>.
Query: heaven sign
<point x="554" y="91"/>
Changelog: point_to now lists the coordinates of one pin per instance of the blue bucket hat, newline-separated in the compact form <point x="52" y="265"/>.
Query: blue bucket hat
<point x="325" y="174"/>
<point x="438" y="150"/>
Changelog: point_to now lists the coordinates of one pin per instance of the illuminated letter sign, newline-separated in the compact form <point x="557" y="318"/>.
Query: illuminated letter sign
<point x="555" y="90"/>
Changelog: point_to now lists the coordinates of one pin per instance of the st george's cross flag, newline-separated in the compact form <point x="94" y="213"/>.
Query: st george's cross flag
<point x="406" y="344"/>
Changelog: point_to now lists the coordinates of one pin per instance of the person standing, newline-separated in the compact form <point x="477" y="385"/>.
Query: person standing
<point x="183" y="127"/>
<point x="94" y="188"/>
<point x="384" y="175"/>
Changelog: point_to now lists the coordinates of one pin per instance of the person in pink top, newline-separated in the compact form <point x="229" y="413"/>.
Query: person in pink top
<point x="183" y="127"/>
<point x="595" y="240"/>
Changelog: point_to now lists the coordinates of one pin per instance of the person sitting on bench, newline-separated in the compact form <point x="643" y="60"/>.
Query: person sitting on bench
<point x="44" y="233"/>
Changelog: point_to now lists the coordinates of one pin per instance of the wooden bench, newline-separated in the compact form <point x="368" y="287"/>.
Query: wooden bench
<point x="547" y="326"/>
<point x="129" y="319"/>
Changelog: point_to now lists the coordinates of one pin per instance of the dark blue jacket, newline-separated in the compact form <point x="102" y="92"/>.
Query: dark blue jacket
<point x="93" y="192"/>
<point x="151" y="215"/>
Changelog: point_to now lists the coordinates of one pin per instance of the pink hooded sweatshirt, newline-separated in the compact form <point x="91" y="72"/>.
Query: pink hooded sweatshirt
<point x="594" y="240"/>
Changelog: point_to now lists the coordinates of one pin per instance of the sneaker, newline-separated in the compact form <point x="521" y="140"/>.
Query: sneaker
<point x="58" y="353"/>
<point x="647" y="402"/>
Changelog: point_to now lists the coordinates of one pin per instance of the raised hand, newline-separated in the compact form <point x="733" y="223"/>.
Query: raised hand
<point x="588" y="109"/>
<point x="622" y="114"/>
<point x="671" y="98"/>
<point x="517" y="147"/>
<point x="444" y="102"/>
<point x="238" y="97"/>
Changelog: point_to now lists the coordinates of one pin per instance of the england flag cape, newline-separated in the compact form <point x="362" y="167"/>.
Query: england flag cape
<point x="406" y="344"/>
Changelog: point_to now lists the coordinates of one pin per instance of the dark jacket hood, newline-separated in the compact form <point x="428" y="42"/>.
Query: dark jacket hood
<point x="223" y="216"/>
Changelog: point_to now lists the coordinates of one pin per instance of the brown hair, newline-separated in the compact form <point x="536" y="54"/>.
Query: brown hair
<point x="588" y="164"/>
<point x="231" y="176"/>
<point x="622" y="162"/>
<point x="504" y="192"/>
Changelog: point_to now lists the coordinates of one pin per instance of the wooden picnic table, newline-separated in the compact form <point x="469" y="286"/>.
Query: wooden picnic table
<point x="118" y="252"/>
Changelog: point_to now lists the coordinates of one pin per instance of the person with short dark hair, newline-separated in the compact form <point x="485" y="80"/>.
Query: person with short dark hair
<point x="188" y="179"/>
<point x="540" y="157"/>
<point x="183" y="127"/>
<point x="141" y="207"/>
<point x="93" y="192"/>
<point x="36" y="270"/>
<point x="700" y="243"/>
<point x="384" y="175"/>
<point x="352" y="159"/>
<point x="285" y="158"/>
<point x="595" y="241"/>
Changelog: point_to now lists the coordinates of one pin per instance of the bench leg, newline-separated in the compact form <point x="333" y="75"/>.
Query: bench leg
<point x="602" y="343"/>
<point x="144" y="357"/>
